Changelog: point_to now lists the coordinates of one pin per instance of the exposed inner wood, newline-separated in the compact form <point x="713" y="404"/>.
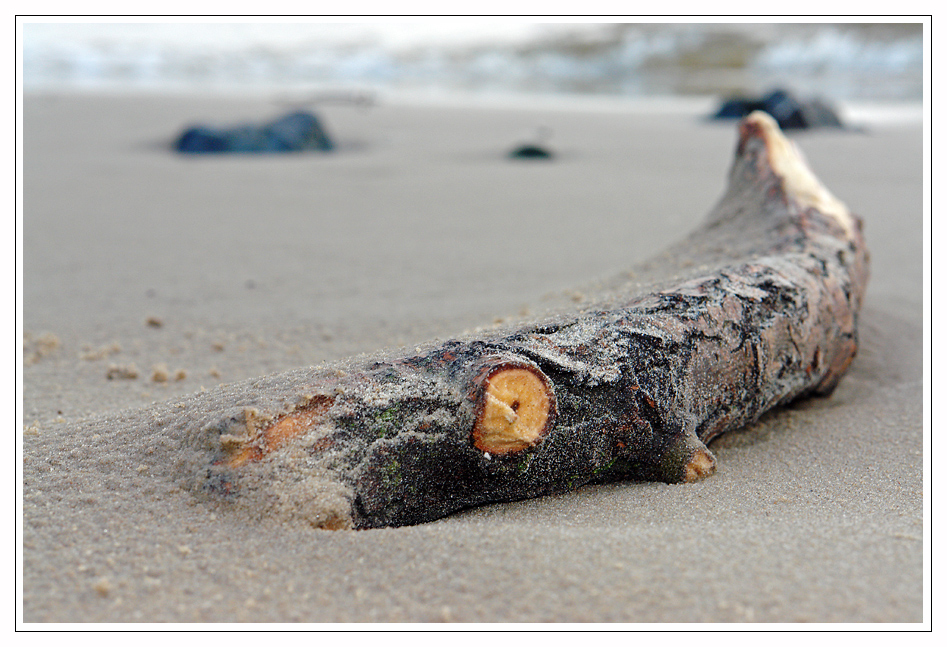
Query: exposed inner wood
<point x="788" y="163"/>
<point x="702" y="465"/>
<point x="515" y="411"/>
<point x="279" y="432"/>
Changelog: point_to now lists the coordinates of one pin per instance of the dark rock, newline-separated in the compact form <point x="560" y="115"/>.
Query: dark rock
<point x="788" y="111"/>
<point x="297" y="131"/>
<point x="531" y="151"/>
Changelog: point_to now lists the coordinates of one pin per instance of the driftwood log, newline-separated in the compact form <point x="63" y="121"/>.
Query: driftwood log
<point x="757" y="308"/>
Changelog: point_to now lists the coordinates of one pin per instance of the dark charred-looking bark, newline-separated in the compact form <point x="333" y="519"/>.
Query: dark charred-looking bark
<point x="755" y="309"/>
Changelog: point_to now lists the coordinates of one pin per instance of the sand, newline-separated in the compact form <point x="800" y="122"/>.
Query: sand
<point x="149" y="278"/>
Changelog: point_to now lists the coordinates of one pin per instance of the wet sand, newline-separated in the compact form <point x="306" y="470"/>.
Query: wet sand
<point x="149" y="277"/>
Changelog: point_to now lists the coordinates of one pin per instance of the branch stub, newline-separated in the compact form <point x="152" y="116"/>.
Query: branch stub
<point x="516" y="409"/>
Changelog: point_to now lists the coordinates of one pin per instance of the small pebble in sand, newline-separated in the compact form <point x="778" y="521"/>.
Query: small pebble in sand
<point x="36" y="348"/>
<point x="102" y="586"/>
<point x="91" y="354"/>
<point x="154" y="322"/>
<point x="160" y="373"/>
<point x="127" y="372"/>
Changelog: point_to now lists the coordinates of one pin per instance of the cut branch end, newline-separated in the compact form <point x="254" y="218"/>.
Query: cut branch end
<point x="516" y="410"/>
<point x="701" y="465"/>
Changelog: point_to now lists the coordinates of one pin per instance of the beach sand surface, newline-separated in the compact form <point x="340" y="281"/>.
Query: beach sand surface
<point x="150" y="277"/>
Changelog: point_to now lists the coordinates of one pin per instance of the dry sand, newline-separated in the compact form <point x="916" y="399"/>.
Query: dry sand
<point x="149" y="277"/>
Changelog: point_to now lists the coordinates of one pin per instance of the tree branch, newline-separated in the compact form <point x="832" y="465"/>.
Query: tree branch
<point x="755" y="309"/>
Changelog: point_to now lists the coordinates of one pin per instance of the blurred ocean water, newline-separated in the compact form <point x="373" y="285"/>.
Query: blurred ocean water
<point x="839" y="62"/>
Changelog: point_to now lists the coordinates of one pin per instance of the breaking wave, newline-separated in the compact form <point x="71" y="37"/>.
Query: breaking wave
<point x="839" y="62"/>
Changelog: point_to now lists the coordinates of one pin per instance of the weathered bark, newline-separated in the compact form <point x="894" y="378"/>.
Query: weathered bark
<point x="757" y="308"/>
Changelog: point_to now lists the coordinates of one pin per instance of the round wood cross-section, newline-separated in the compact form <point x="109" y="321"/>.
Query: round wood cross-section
<point x="516" y="409"/>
